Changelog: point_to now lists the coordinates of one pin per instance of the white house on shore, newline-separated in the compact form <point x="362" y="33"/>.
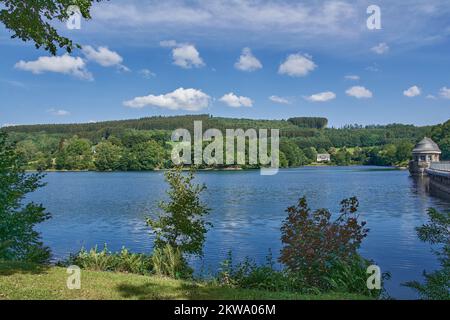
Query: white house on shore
<point x="323" y="157"/>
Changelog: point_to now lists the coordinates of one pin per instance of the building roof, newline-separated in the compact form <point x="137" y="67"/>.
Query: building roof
<point x="427" y="146"/>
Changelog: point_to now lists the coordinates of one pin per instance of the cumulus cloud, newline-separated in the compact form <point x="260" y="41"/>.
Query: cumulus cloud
<point x="432" y="97"/>
<point x="414" y="91"/>
<point x="180" y="99"/>
<point x="445" y="93"/>
<point x="352" y="77"/>
<point x="103" y="56"/>
<point x="58" y="112"/>
<point x="247" y="61"/>
<point x="64" y="64"/>
<point x="279" y="100"/>
<point x="321" y="97"/>
<point x="380" y="48"/>
<point x="235" y="101"/>
<point x="184" y="55"/>
<point x="359" y="92"/>
<point x="297" y="65"/>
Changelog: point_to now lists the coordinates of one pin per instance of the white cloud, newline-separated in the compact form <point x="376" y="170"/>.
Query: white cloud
<point x="380" y="48"/>
<point x="445" y="93"/>
<point x="247" y="61"/>
<point x="297" y="65"/>
<point x="359" y="92"/>
<point x="216" y="18"/>
<point x="352" y="77"/>
<point x="279" y="100"/>
<point x="104" y="57"/>
<point x="432" y="97"/>
<point x="180" y="99"/>
<point x="65" y="64"/>
<point x="321" y="97"/>
<point x="147" y="74"/>
<point x="184" y="55"/>
<point x="235" y="101"/>
<point x="278" y="23"/>
<point x="414" y="91"/>
<point x="59" y="112"/>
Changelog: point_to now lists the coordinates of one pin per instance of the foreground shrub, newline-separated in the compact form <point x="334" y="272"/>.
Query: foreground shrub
<point x="350" y="277"/>
<point x="169" y="261"/>
<point x="104" y="260"/>
<point x="322" y="251"/>
<point x="436" y="232"/>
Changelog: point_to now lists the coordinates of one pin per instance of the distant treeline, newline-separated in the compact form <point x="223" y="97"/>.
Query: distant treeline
<point x="144" y="144"/>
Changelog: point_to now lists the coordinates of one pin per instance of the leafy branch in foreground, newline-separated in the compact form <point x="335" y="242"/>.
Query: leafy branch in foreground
<point x="436" y="232"/>
<point x="31" y="21"/>
<point x="18" y="239"/>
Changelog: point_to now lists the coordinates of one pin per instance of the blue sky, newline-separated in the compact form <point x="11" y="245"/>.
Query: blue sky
<point x="250" y="59"/>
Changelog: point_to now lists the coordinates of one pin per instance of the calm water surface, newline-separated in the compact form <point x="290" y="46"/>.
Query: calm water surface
<point x="247" y="211"/>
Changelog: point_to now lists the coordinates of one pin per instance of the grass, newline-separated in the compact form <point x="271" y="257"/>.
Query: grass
<point x="20" y="281"/>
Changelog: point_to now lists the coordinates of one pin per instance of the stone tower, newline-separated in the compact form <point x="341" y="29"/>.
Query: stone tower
<point x="424" y="153"/>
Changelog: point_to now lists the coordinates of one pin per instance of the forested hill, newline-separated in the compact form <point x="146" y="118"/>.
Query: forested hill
<point x="174" y="122"/>
<point x="144" y="144"/>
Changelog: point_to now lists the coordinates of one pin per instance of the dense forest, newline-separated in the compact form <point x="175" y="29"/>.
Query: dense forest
<point x="144" y="144"/>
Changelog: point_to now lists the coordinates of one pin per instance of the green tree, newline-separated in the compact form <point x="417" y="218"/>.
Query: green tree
<point x="18" y="239"/>
<point x="441" y="135"/>
<point x="75" y="154"/>
<point x="146" y="156"/>
<point x="311" y="154"/>
<point x="404" y="151"/>
<point x="181" y="224"/>
<point x="32" y="21"/>
<point x="294" y="155"/>
<point x="107" y="156"/>
<point x="436" y="232"/>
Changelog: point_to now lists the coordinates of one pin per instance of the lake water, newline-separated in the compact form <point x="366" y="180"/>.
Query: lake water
<point x="247" y="211"/>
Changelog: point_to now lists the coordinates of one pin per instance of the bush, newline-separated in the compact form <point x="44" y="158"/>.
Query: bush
<point x="248" y="275"/>
<point x="104" y="260"/>
<point x="350" y="277"/>
<point x="321" y="251"/>
<point x="168" y="261"/>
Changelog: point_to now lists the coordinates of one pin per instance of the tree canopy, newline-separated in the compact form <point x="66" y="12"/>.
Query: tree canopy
<point x="18" y="239"/>
<point x="32" y="21"/>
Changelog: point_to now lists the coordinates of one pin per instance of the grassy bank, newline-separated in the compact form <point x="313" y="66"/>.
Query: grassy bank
<point x="22" y="281"/>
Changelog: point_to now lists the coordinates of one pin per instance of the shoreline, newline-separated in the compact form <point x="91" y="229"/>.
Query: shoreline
<point x="223" y="169"/>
